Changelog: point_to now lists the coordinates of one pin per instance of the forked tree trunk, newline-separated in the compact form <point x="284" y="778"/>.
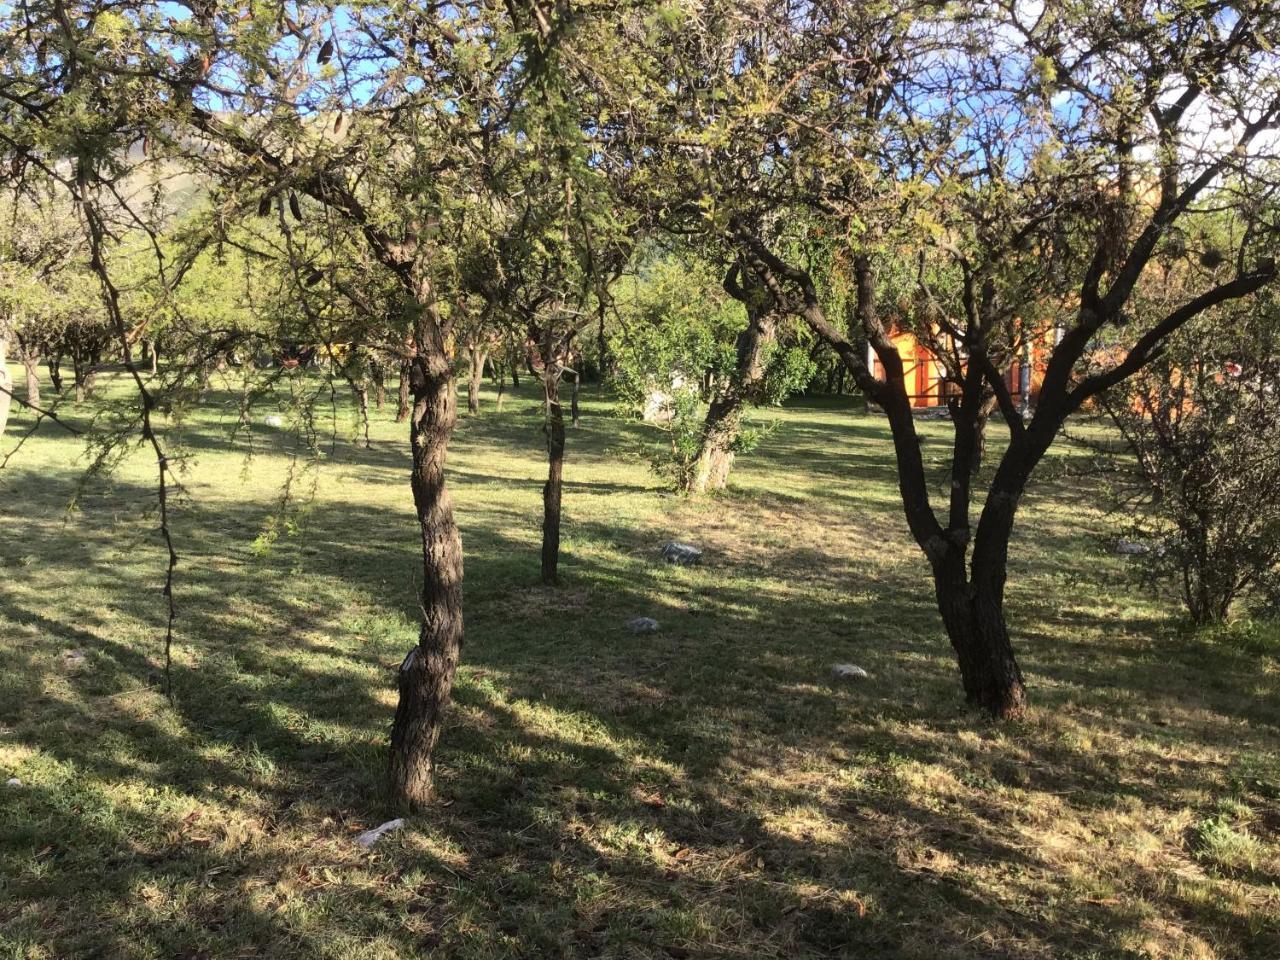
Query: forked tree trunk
<point x="972" y="611"/>
<point x="972" y="608"/>
<point x="426" y="674"/>
<point x="551" y="491"/>
<point x="724" y="415"/>
<point x="31" y="364"/>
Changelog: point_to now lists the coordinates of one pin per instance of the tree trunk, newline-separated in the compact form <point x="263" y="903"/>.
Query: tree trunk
<point x="715" y="458"/>
<point x="402" y="396"/>
<point x="724" y="415"/>
<point x="6" y="384"/>
<point x="973" y="614"/>
<point x="31" y="363"/>
<point x="153" y="355"/>
<point x="602" y="350"/>
<point x="362" y="408"/>
<point x="148" y="348"/>
<point x="992" y="677"/>
<point x="987" y="408"/>
<point x="476" y="357"/>
<point x="78" y="376"/>
<point x="54" y="363"/>
<point x="573" y="398"/>
<point x="502" y="385"/>
<point x="551" y="491"/>
<point x="426" y="674"/>
<point x="379" y="374"/>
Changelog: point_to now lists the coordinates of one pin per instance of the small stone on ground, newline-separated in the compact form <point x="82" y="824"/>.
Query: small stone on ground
<point x="849" y="671"/>
<point x="642" y="625"/>
<point x="681" y="553"/>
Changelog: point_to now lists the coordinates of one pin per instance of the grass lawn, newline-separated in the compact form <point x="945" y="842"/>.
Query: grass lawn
<point x="706" y="791"/>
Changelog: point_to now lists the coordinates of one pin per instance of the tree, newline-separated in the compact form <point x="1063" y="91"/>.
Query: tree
<point x="45" y="300"/>
<point x="480" y="335"/>
<point x="1070" y="185"/>
<point x="985" y="137"/>
<point x="381" y="118"/>
<point x="763" y="371"/>
<point x="553" y="239"/>
<point x="686" y="361"/>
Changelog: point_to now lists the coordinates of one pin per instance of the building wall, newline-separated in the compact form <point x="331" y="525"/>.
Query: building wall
<point x="926" y="377"/>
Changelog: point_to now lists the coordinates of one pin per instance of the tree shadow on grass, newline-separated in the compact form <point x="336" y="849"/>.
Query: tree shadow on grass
<point x="703" y="791"/>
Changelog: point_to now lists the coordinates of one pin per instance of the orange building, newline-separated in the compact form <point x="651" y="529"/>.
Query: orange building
<point x="926" y="376"/>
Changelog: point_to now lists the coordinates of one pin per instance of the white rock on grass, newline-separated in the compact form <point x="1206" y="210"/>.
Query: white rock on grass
<point x="274" y="420"/>
<point x="681" y="553"/>
<point x="1130" y="548"/>
<point x="13" y="782"/>
<point x="643" y="625"/>
<point x="370" y="837"/>
<point x="849" y="671"/>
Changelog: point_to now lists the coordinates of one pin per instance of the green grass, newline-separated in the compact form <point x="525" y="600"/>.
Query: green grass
<point x="706" y="791"/>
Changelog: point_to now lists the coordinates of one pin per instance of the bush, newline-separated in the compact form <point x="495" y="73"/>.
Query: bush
<point x="1203" y="424"/>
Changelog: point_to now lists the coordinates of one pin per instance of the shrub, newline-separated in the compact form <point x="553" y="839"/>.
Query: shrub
<point x="1203" y="424"/>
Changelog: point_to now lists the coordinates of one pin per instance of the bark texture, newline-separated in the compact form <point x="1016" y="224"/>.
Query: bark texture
<point x="402" y="394"/>
<point x="552" y="489"/>
<point x="31" y="364"/>
<point x="973" y="614"/>
<point x="724" y="416"/>
<point x="426" y="675"/>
